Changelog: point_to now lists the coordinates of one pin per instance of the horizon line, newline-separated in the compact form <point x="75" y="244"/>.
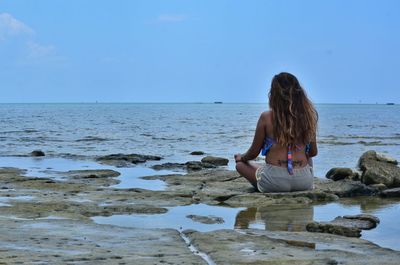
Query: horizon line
<point x="190" y="102"/>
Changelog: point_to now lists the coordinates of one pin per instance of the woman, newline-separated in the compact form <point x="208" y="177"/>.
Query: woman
<point x="286" y="135"/>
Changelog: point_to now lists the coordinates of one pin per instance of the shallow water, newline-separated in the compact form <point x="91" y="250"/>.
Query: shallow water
<point x="281" y="218"/>
<point x="271" y="218"/>
<point x="175" y="218"/>
<point x="53" y="167"/>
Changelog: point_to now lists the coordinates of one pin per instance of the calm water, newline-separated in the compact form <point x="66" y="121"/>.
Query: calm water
<point x="174" y="130"/>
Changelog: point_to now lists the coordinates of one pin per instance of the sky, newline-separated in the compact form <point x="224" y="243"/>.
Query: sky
<point x="197" y="51"/>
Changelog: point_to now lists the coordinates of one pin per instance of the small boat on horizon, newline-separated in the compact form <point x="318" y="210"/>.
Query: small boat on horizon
<point x="390" y="103"/>
<point x="217" y="102"/>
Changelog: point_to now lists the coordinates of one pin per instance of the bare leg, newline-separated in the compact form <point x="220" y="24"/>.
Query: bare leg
<point x="248" y="170"/>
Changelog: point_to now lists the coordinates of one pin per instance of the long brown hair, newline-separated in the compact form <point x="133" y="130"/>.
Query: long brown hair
<point x="294" y="117"/>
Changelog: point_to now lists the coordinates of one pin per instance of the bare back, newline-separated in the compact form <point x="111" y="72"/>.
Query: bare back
<point x="277" y="154"/>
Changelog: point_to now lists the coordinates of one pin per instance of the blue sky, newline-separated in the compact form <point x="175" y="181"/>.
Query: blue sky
<point x="197" y="51"/>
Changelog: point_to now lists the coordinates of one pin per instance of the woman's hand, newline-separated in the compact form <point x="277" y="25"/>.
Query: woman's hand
<point x="238" y="157"/>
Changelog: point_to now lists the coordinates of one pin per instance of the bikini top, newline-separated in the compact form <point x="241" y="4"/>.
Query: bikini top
<point x="268" y="142"/>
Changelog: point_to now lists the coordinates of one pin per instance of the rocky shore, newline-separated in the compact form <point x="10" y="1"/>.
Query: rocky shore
<point x="49" y="220"/>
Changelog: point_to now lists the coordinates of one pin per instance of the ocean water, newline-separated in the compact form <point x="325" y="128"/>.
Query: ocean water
<point x="174" y="130"/>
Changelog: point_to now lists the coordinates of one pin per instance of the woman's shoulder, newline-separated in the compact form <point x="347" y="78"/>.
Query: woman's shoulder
<point x="266" y="115"/>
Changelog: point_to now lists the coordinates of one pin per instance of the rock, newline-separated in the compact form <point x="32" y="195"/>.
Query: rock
<point x="348" y="225"/>
<point x="379" y="186"/>
<point x="395" y="192"/>
<point x="373" y="220"/>
<point x="322" y="227"/>
<point x="68" y="241"/>
<point x="124" y="160"/>
<point x="339" y="173"/>
<point x="379" y="169"/>
<point x="92" y="173"/>
<point x="196" y="165"/>
<point x="189" y="166"/>
<point x="218" y="161"/>
<point x="197" y="153"/>
<point x="206" y="219"/>
<point x="384" y="158"/>
<point x="37" y="153"/>
<point x="344" y="188"/>
<point x="168" y="166"/>
<point x="104" y="177"/>
<point x="252" y="246"/>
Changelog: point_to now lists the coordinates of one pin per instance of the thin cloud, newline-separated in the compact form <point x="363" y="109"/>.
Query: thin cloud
<point x="171" y="18"/>
<point x="10" y="26"/>
<point x="37" y="50"/>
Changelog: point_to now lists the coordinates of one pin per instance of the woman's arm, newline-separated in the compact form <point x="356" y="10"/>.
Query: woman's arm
<point x="258" y="140"/>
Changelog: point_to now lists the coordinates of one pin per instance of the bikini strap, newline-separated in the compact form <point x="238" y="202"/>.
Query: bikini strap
<point x="268" y="142"/>
<point x="308" y="147"/>
<point x="289" y="160"/>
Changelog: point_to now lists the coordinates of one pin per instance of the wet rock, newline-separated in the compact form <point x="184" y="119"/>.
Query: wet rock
<point x="66" y="241"/>
<point x="169" y="166"/>
<point x="206" y="219"/>
<point x="373" y="220"/>
<point x="197" y="153"/>
<point x="125" y="160"/>
<point x="253" y="246"/>
<point x="218" y="161"/>
<point x="37" y="153"/>
<point x="379" y="187"/>
<point x="379" y="169"/>
<point x="348" y="225"/>
<point x="92" y="173"/>
<point x="332" y="228"/>
<point x="395" y="192"/>
<point x="196" y="165"/>
<point x="189" y="166"/>
<point x="345" y="188"/>
<point x="339" y="173"/>
<point x="104" y="177"/>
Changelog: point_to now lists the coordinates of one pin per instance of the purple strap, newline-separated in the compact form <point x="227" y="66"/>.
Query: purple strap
<point x="289" y="160"/>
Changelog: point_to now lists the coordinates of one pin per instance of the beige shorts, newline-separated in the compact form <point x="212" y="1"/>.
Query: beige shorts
<point x="272" y="178"/>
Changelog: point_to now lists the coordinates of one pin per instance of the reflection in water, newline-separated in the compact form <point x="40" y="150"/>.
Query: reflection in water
<point x="276" y="217"/>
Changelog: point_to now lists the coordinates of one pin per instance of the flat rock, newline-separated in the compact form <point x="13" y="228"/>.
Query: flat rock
<point x="374" y="221"/>
<point x="345" y="187"/>
<point x="189" y="166"/>
<point x="214" y="186"/>
<point x="339" y="173"/>
<point x="395" y="192"/>
<point x="125" y="160"/>
<point x="206" y="219"/>
<point x="218" y="161"/>
<point x="379" y="169"/>
<point x="66" y="241"/>
<point x="348" y="225"/>
<point x="277" y="247"/>
<point x="92" y="173"/>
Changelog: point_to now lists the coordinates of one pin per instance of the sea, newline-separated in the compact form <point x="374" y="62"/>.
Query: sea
<point x="73" y="134"/>
<point x="172" y="131"/>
